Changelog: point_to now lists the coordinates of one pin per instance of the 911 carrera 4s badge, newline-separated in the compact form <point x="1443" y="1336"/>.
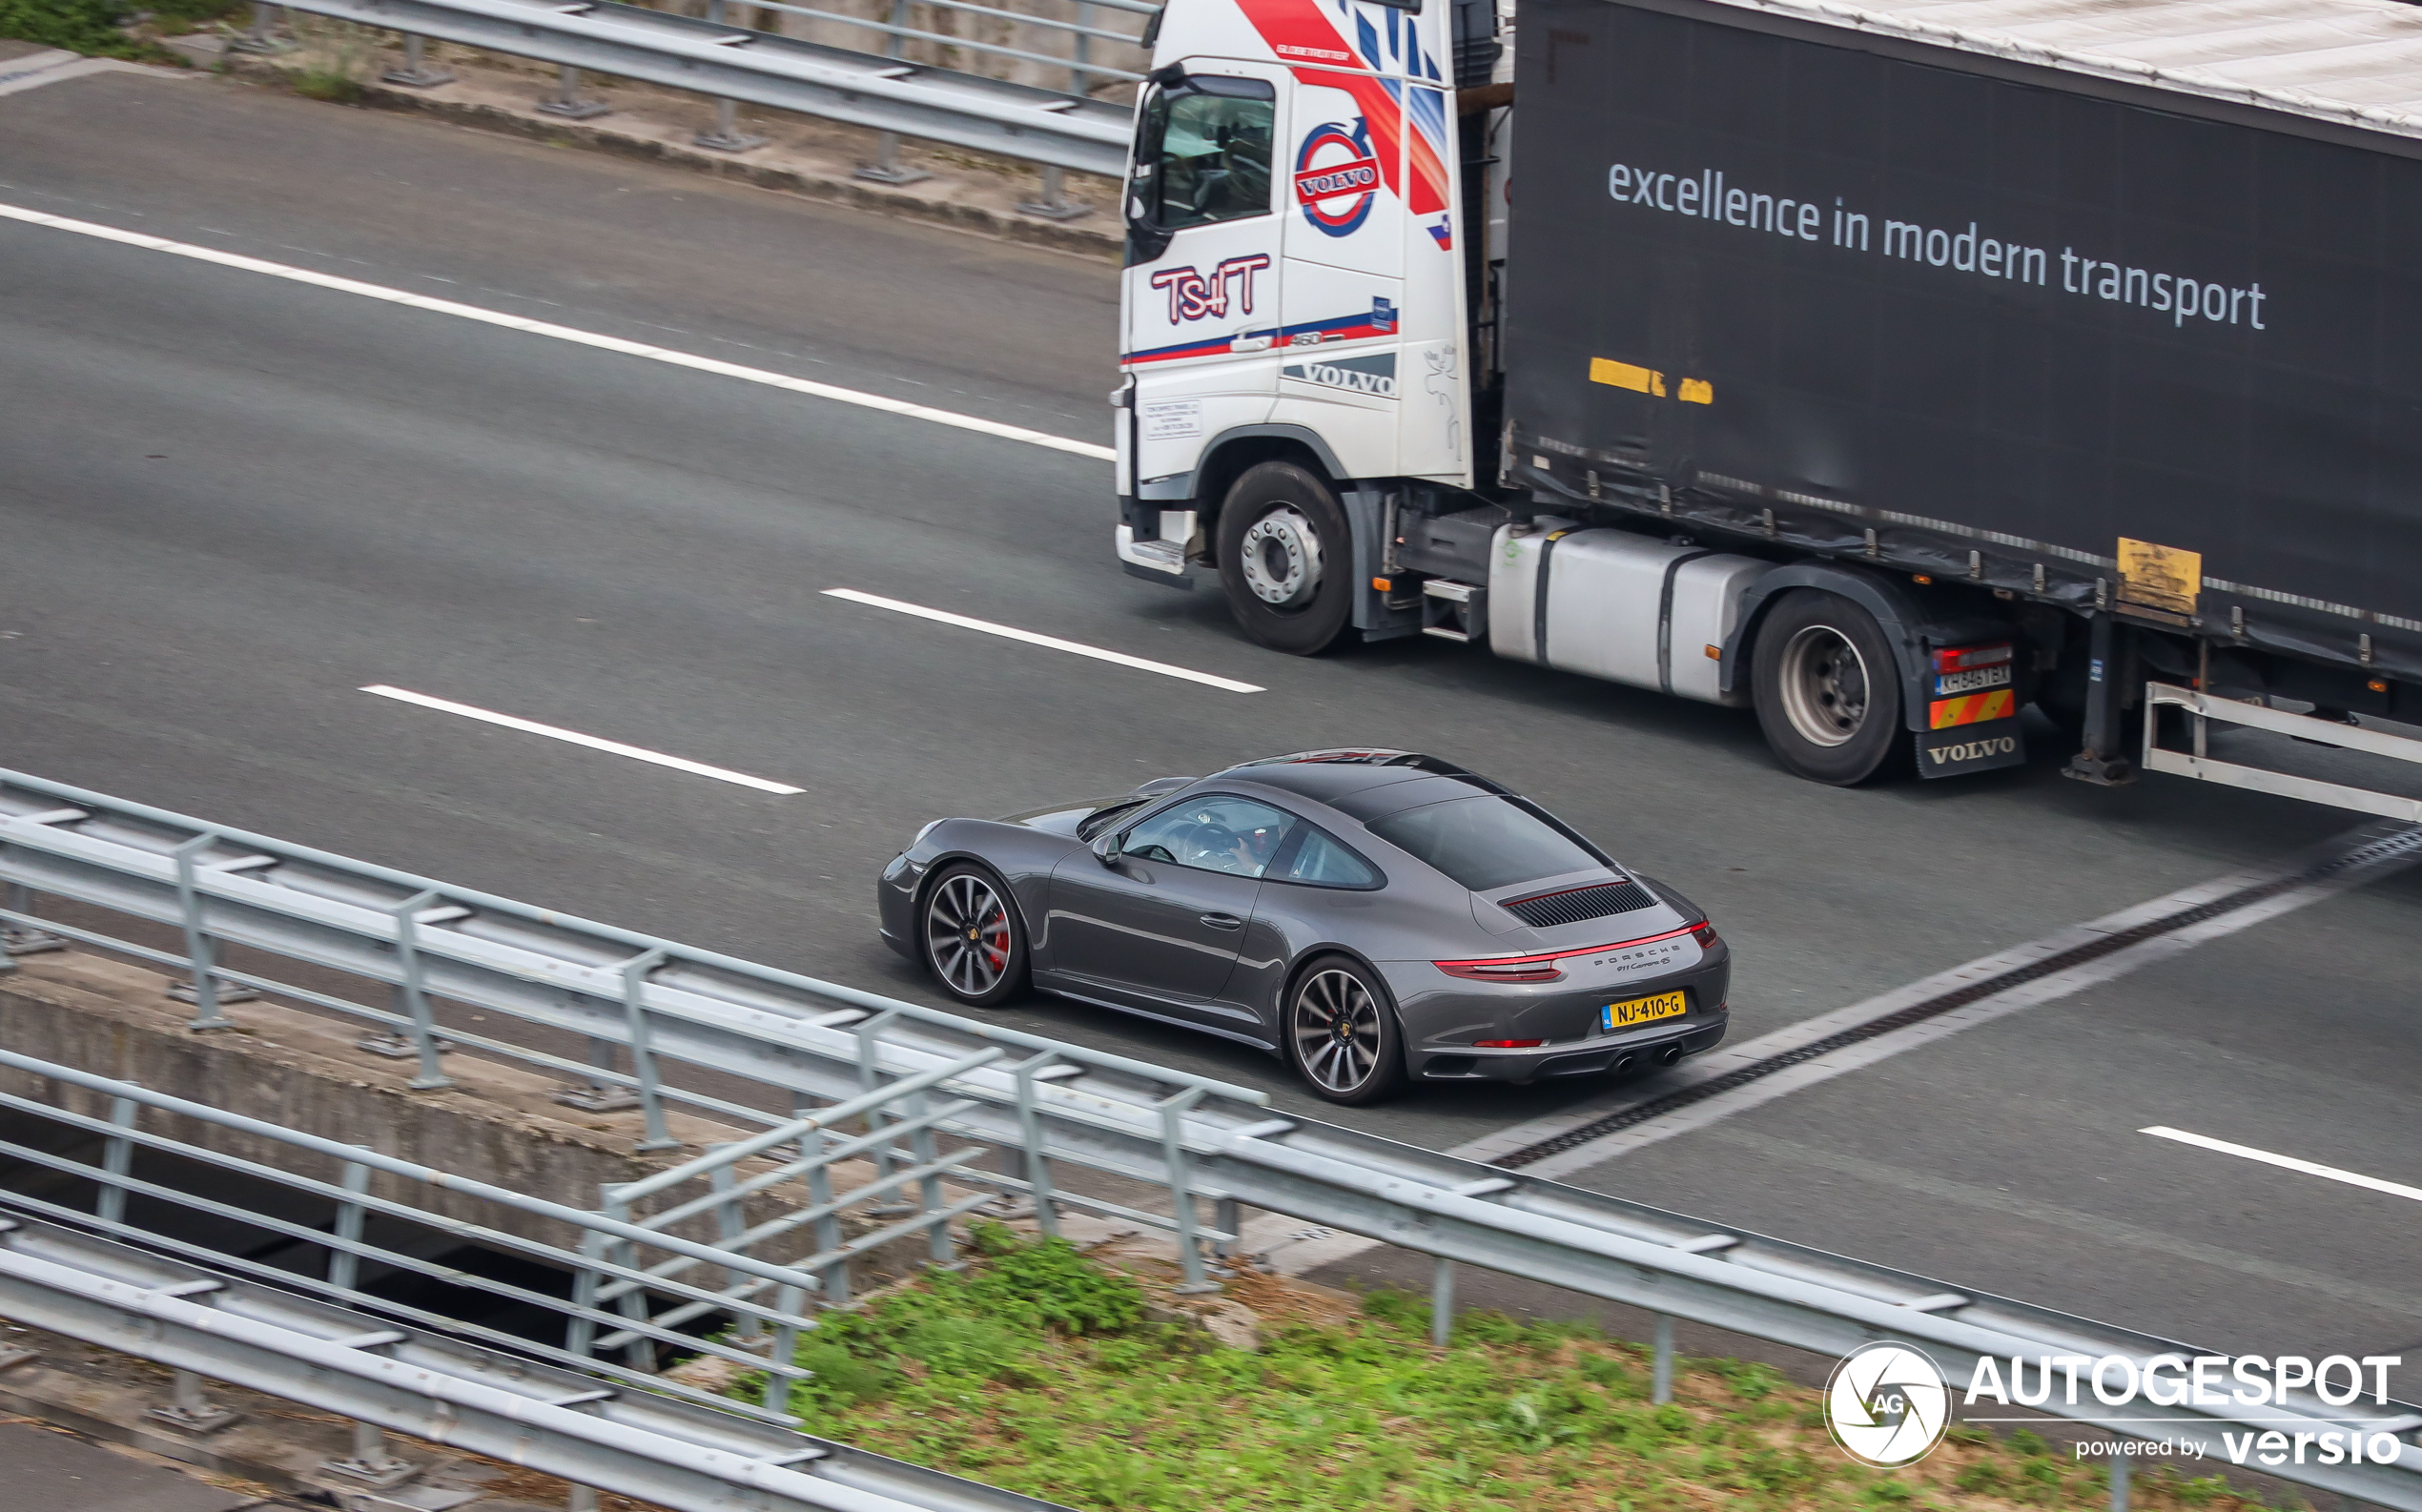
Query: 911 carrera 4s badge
<point x="1336" y="177"/>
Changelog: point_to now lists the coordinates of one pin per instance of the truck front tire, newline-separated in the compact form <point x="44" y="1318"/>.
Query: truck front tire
<point x="1828" y="689"/>
<point x="1287" y="558"/>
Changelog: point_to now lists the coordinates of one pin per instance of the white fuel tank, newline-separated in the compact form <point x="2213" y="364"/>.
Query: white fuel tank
<point x="1618" y="607"/>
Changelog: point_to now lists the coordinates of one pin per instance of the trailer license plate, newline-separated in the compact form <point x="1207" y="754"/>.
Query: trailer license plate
<point x="1641" y="1010"/>
<point x="1975" y="679"/>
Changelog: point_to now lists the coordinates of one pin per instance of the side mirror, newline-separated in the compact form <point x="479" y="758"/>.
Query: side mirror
<point x="1106" y="846"/>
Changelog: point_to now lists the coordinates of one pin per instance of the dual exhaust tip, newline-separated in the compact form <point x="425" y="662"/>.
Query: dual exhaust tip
<point x="1667" y="1055"/>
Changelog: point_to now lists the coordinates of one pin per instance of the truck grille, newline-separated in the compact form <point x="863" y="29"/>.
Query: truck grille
<point x="1575" y="904"/>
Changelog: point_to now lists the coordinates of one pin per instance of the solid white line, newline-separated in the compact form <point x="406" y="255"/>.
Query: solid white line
<point x="2402" y="853"/>
<point x="2352" y="1178"/>
<point x="1055" y="643"/>
<point x="617" y="747"/>
<point x="562" y="332"/>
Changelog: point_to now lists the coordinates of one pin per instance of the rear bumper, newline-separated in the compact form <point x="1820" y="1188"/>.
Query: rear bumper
<point x="1640" y="1049"/>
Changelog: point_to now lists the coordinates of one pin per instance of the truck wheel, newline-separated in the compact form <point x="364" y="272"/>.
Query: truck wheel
<point x="1828" y="690"/>
<point x="1285" y="558"/>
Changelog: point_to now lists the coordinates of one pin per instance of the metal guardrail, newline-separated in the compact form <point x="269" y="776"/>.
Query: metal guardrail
<point x="633" y="1443"/>
<point x="2197" y="761"/>
<point x="1065" y="129"/>
<point x="1071" y="1107"/>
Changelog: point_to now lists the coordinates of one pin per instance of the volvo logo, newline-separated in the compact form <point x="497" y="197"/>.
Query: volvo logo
<point x="1336" y="177"/>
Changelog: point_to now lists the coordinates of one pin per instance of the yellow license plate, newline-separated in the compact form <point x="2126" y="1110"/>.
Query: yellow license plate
<point x="1641" y="1010"/>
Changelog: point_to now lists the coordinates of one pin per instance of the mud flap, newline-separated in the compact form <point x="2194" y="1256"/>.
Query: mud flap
<point x="1965" y="748"/>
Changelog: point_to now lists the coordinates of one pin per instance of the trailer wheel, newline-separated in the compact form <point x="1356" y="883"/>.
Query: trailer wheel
<point x="1285" y="558"/>
<point x="1828" y="690"/>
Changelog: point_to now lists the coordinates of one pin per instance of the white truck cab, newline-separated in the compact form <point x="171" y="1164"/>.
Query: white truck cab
<point x="1295" y="318"/>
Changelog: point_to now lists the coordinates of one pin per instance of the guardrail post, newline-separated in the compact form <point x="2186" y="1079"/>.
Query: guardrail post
<point x="1661" y="1369"/>
<point x="1030" y="1133"/>
<point x="600" y="1096"/>
<point x="1442" y="1300"/>
<point x="187" y="1408"/>
<point x="835" y="1290"/>
<point x="643" y="1060"/>
<point x="264" y="35"/>
<point x="582" y="1499"/>
<point x="886" y="167"/>
<point x="1227" y="1216"/>
<point x="938" y="1248"/>
<point x="1054" y="203"/>
<point x="25" y="938"/>
<point x="203" y="991"/>
<point x="1172" y="1155"/>
<point x="117" y="1158"/>
<point x="568" y="102"/>
<point x="411" y="1002"/>
<point x="790" y="1301"/>
<point x="343" y="1264"/>
<point x="728" y="1230"/>
<point x="579" y="1330"/>
<point x="632" y="1302"/>
<point x="726" y="136"/>
<point x="2119" y="1481"/>
<point x="417" y="72"/>
<point x="370" y="1463"/>
<point x="887" y="1155"/>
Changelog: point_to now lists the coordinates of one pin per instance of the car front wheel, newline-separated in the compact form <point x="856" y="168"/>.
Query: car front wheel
<point x="973" y="942"/>
<point x="1342" y="1035"/>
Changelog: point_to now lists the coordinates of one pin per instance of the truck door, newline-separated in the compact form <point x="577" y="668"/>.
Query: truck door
<point x="1342" y="175"/>
<point x="1201" y="286"/>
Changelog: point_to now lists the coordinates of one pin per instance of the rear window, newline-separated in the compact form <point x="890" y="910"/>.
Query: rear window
<point x="1487" y="842"/>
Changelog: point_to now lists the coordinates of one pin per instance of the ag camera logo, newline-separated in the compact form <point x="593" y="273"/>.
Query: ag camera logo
<point x="1887" y="1405"/>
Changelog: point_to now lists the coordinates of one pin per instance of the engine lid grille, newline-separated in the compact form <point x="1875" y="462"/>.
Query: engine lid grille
<point x="1572" y="905"/>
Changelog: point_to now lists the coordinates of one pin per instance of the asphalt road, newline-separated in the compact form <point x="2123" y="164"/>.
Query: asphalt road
<point x="229" y="501"/>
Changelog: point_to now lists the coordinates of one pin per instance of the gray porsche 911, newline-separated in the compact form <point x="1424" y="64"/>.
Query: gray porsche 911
<point x="1372" y="916"/>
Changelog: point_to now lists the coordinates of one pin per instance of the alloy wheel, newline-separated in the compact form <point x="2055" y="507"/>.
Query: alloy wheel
<point x="967" y="934"/>
<point x="1336" y="1027"/>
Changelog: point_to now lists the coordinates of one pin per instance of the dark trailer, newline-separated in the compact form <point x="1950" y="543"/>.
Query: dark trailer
<point x="2111" y="312"/>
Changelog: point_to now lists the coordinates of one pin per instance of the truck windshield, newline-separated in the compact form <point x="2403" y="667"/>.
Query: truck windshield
<point x="1209" y="139"/>
<point x="1487" y="842"/>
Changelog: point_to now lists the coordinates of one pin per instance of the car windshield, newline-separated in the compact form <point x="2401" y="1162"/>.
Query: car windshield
<point x="1486" y="843"/>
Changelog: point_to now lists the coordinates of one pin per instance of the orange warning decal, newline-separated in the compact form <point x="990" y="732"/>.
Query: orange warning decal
<point x="1974" y="709"/>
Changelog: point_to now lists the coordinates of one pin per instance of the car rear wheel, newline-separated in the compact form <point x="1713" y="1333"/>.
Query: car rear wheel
<point x="1285" y="558"/>
<point x="1828" y="690"/>
<point x="1342" y="1035"/>
<point x="973" y="942"/>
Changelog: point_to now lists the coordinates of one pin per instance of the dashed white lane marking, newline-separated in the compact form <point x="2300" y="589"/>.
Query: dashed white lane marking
<point x="2352" y="1178"/>
<point x="576" y="738"/>
<point x="1072" y="647"/>
<point x="561" y="333"/>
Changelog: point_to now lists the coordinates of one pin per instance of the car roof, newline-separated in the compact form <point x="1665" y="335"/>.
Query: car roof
<point x="1330" y="776"/>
